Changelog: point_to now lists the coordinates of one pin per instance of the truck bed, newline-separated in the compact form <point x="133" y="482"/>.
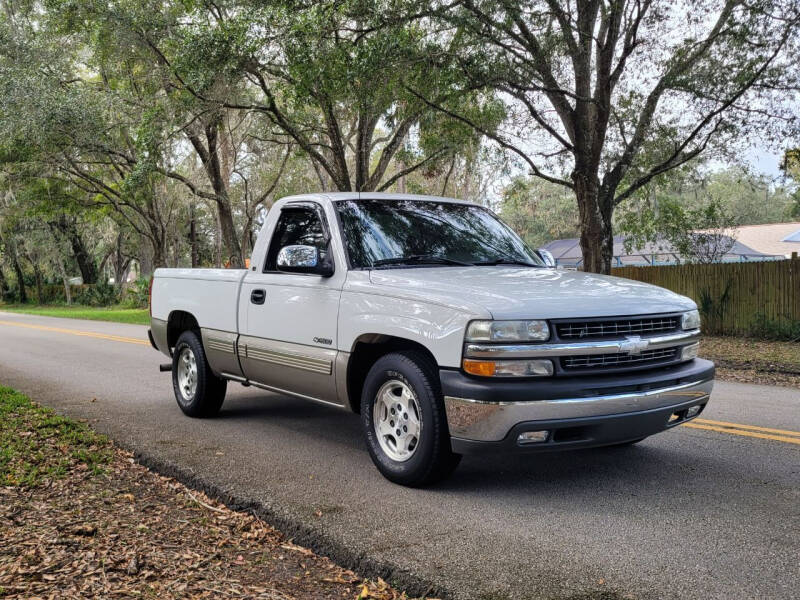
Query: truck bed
<point x="211" y="295"/>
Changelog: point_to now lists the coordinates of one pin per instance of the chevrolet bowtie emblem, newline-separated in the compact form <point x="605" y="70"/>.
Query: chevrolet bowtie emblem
<point x="633" y="344"/>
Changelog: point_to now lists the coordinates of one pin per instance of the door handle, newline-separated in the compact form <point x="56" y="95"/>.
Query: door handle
<point x="258" y="296"/>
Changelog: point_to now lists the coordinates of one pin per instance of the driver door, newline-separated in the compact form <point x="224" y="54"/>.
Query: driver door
<point x="289" y="329"/>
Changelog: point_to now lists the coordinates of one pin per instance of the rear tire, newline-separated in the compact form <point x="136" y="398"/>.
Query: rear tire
<point x="198" y="391"/>
<point x="404" y="420"/>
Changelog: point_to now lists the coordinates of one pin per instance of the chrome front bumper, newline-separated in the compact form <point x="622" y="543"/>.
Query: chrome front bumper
<point x="490" y="421"/>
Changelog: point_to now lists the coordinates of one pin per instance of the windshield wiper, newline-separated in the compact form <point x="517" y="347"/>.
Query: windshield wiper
<point x="506" y="261"/>
<point x="419" y="259"/>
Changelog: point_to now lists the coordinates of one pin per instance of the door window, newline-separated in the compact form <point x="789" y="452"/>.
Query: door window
<point x="297" y="225"/>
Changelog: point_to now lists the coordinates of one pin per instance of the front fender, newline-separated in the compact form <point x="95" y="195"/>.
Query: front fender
<point x="438" y="328"/>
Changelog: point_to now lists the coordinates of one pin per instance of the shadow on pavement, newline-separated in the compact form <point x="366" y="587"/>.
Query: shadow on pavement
<point x="661" y="463"/>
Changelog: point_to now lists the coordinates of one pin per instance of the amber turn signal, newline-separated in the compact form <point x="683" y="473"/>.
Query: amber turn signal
<point x="484" y="368"/>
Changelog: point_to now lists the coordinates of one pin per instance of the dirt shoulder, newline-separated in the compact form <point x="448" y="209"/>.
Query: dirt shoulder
<point x="754" y="361"/>
<point x="80" y="518"/>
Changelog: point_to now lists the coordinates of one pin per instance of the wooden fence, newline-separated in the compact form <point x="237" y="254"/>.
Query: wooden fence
<point x="733" y="297"/>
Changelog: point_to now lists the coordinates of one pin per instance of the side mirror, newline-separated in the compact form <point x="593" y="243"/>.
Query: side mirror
<point x="547" y="257"/>
<point x="303" y="259"/>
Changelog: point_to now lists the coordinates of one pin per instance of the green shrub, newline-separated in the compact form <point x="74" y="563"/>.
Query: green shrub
<point x="52" y="293"/>
<point x="137" y="295"/>
<point x="11" y="295"/>
<point x="99" y="294"/>
<point x="783" y="328"/>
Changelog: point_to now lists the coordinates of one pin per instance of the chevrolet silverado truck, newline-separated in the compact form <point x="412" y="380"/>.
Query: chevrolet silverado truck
<point x="433" y="321"/>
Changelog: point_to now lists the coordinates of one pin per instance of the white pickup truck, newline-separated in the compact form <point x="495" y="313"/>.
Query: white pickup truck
<point x="431" y="319"/>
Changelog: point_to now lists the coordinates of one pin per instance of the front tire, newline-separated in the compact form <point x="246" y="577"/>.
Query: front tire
<point x="198" y="391"/>
<point x="404" y="421"/>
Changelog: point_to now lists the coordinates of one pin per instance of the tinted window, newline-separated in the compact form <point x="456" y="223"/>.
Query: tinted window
<point x="297" y="226"/>
<point x="379" y="230"/>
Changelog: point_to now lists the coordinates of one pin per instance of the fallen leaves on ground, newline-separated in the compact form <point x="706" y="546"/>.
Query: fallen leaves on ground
<point x="748" y="360"/>
<point x="126" y="532"/>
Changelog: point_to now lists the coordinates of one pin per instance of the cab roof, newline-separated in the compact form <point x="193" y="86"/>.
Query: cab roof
<point x="336" y="196"/>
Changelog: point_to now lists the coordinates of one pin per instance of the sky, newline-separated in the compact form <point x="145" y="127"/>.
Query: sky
<point x="765" y="161"/>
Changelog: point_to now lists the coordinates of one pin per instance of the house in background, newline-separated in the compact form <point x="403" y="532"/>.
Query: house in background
<point x="567" y="253"/>
<point x="773" y="238"/>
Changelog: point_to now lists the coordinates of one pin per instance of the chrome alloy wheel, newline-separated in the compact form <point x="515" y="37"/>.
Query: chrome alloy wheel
<point x="187" y="374"/>
<point x="396" y="420"/>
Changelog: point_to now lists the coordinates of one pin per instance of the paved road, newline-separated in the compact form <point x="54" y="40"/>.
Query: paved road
<point x="693" y="513"/>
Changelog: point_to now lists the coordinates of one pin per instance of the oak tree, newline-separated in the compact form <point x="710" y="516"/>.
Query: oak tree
<point x="617" y="92"/>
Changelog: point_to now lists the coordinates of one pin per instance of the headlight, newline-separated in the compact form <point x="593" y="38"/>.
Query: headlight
<point x="507" y="331"/>
<point x="691" y="320"/>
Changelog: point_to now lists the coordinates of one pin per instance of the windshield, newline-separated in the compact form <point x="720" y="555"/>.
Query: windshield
<point x="384" y="233"/>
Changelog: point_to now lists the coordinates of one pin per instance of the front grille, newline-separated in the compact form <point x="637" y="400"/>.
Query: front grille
<point x="578" y="330"/>
<point x="618" y="359"/>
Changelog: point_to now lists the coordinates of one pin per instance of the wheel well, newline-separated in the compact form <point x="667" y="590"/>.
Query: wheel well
<point x="366" y="351"/>
<point x="178" y="322"/>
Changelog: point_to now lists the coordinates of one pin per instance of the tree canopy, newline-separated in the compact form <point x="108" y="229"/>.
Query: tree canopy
<point x="612" y="94"/>
<point x="144" y="134"/>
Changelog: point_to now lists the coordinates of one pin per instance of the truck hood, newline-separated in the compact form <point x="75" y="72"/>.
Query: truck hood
<point x="509" y="292"/>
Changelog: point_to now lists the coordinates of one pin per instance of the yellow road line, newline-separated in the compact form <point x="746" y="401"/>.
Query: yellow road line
<point x="92" y="334"/>
<point x="754" y="434"/>
<point x="748" y="427"/>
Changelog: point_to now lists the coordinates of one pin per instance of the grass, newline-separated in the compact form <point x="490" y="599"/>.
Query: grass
<point x="136" y="316"/>
<point x="37" y="445"/>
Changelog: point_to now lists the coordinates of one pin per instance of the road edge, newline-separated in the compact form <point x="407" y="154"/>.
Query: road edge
<point x="293" y="528"/>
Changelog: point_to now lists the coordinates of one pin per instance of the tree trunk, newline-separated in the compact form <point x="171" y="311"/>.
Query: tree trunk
<point x="145" y="262"/>
<point x="246" y="247"/>
<point x="159" y="245"/>
<point x="65" y="280"/>
<point x="176" y="250"/>
<point x="193" y="238"/>
<point x="3" y="283"/>
<point x="229" y="240"/>
<point x="159" y="254"/>
<point x="123" y="271"/>
<point x="37" y="273"/>
<point x="218" y="241"/>
<point x="217" y="156"/>
<point x="23" y="294"/>
<point x="85" y="262"/>
<point x="321" y="176"/>
<point x="597" y="238"/>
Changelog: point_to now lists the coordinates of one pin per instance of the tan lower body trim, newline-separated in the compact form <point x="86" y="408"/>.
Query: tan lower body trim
<point x="322" y="366"/>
